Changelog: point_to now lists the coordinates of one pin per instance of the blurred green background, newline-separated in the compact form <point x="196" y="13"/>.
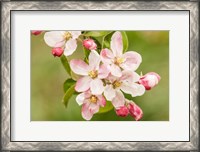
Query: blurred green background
<point x="48" y="76"/>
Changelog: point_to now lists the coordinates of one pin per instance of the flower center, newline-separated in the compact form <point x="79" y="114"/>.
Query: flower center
<point x="93" y="74"/>
<point x="93" y="99"/>
<point x="118" y="60"/>
<point x="116" y="84"/>
<point x="67" y="35"/>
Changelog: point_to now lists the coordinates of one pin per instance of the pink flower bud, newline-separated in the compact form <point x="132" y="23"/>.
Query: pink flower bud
<point x="89" y="44"/>
<point x="58" y="51"/>
<point x="122" y="111"/>
<point x="135" y="111"/>
<point x="149" y="80"/>
<point x="36" y="32"/>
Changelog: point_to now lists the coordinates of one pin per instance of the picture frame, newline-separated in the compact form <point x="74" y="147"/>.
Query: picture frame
<point x="7" y="7"/>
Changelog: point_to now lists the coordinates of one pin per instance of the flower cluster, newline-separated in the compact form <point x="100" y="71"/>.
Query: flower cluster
<point x="108" y="74"/>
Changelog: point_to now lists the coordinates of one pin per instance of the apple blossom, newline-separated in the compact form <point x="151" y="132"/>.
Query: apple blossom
<point x="89" y="44"/>
<point x="126" y="83"/>
<point x="149" y="80"/>
<point x="34" y="32"/>
<point x="92" y="73"/>
<point x="122" y="111"/>
<point x="58" y="51"/>
<point x="66" y="39"/>
<point x="90" y="103"/>
<point x="116" y="59"/>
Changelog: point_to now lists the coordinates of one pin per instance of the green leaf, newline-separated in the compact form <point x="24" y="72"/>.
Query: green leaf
<point x="70" y="91"/>
<point x="86" y="52"/>
<point x="96" y="33"/>
<point x="107" y="108"/>
<point x="125" y="41"/>
<point x="106" y="40"/>
<point x="128" y="96"/>
<point x="67" y="84"/>
<point x="65" y="63"/>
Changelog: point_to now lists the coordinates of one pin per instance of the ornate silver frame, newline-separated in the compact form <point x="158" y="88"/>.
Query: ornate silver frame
<point x="7" y="6"/>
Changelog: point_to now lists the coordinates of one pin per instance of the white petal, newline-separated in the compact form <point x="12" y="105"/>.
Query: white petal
<point x="109" y="92"/>
<point x="83" y="84"/>
<point x="70" y="47"/>
<point x="117" y="44"/>
<point x="119" y="99"/>
<point x="80" y="98"/>
<point x="132" y="60"/>
<point x="115" y="70"/>
<point x="75" y="34"/>
<point x="54" y="38"/>
<point x="129" y="76"/>
<point x="127" y="89"/>
<point x="134" y="89"/>
<point x="94" y="60"/>
<point x="96" y="86"/>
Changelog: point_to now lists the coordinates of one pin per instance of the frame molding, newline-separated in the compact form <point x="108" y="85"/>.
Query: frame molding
<point x="7" y="7"/>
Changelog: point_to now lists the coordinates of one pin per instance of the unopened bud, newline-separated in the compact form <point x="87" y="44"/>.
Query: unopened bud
<point x="58" y="51"/>
<point x="122" y="111"/>
<point x="36" y="32"/>
<point x="89" y="44"/>
<point x="149" y="80"/>
<point x="135" y="111"/>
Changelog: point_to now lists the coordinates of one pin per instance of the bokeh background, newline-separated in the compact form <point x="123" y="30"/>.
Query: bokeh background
<point x="48" y="76"/>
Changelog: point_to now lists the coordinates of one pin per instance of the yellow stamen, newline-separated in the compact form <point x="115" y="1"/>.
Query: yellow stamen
<point x="93" y="74"/>
<point x="67" y="35"/>
<point x="93" y="99"/>
<point x="118" y="61"/>
<point x="117" y="84"/>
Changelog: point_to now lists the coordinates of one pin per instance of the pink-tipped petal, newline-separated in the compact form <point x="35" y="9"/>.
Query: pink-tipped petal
<point x="115" y="70"/>
<point x="96" y="86"/>
<point x="86" y="112"/>
<point x="75" y="34"/>
<point x="117" y="44"/>
<point x="70" y="47"/>
<point x="118" y="100"/>
<point x="101" y="100"/>
<point x="109" y="92"/>
<point x="132" y="60"/>
<point x="135" y="111"/>
<point x="93" y="108"/>
<point x="94" y="60"/>
<point x="83" y="84"/>
<point x="106" y="56"/>
<point x="54" y="38"/>
<point x="103" y="71"/>
<point x="79" y="67"/>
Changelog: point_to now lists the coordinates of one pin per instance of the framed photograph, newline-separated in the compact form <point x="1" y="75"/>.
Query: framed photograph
<point x="100" y="75"/>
